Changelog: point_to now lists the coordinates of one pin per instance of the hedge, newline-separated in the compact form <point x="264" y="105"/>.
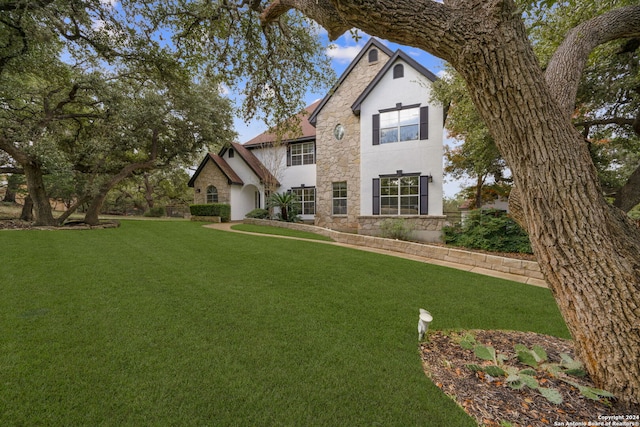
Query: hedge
<point x="222" y="210"/>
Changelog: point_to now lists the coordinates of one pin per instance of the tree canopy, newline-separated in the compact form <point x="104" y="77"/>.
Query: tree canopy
<point x="84" y="82"/>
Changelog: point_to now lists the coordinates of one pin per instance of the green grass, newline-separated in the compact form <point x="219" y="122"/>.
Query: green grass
<point x="170" y="323"/>
<point x="266" y="229"/>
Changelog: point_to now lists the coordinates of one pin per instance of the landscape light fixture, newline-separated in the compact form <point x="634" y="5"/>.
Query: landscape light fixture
<point x="423" y="323"/>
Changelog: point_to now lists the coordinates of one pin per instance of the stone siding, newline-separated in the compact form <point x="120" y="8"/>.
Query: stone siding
<point x="527" y="269"/>
<point x="211" y="175"/>
<point x="339" y="161"/>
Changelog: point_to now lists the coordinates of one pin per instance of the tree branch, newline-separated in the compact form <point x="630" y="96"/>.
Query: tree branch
<point x="565" y="68"/>
<point x="628" y="196"/>
<point x="12" y="170"/>
<point x="321" y="11"/>
<point x="620" y="121"/>
<point x="383" y="18"/>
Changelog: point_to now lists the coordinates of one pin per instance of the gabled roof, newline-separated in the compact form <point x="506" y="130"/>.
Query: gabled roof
<point x="308" y="131"/>
<point x="222" y="165"/>
<point x="390" y="63"/>
<point x="253" y="162"/>
<point x="372" y="42"/>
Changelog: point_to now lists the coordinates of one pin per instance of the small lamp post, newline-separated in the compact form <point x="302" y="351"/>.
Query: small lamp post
<point x="423" y="323"/>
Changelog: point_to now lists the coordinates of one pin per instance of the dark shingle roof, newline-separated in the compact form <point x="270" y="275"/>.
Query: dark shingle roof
<point x="232" y="177"/>
<point x="308" y="131"/>
<point x="254" y="163"/>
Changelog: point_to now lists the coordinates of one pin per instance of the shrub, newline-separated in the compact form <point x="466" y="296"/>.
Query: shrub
<point x="258" y="213"/>
<point x="223" y="210"/>
<point x="490" y="230"/>
<point x="288" y="204"/>
<point x="396" y="228"/>
<point x="156" y="212"/>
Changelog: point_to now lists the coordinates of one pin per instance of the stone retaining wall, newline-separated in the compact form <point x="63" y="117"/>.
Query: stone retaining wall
<point x="426" y="229"/>
<point x="474" y="259"/>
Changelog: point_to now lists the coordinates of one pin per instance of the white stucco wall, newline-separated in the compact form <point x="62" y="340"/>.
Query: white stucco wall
<point x="275" y="159"/>
<point x="422" y="156"/>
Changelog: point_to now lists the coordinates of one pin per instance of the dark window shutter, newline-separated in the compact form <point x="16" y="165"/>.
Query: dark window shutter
<point x="376" y="129"/>
<point x="424" y="123"/>
<point x="288" y="155"/>
<point x="376" y="196"/>
<point x="424" y="195"/>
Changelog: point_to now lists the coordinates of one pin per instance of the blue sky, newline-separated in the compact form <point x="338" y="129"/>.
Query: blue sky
<point x="344" y="50"/>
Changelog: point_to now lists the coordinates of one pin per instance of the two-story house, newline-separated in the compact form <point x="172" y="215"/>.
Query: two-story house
<point x="371" y="149"/>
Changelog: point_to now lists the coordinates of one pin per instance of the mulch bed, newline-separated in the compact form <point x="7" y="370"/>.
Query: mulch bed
<point x="490" y="400"/>
<point x="17" y="224"/>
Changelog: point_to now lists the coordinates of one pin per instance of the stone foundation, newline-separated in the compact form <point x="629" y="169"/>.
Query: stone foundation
<point x="425" y="228"/>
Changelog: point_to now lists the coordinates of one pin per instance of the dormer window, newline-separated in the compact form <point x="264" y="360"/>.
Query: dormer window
<point x="231" y="153"/>
<point x="373" y="55"/>
<point x="398" y="71"/>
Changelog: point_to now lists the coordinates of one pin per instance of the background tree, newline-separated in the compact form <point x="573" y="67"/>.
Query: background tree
<point x="588" y="250"/>
<point x="476" y="156"/>
<point x="152" y="123"/>
<point x="221" y="43"/>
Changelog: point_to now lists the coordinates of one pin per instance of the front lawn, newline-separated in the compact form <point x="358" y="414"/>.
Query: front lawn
<point x="170" y="323"/>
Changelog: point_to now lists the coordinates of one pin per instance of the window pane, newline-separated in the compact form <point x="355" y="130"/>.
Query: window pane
<point x="409" y="205"/>
<point x="340" y="207"/>
<point x="389" y="205"/>
<point x="389" y="119"/>
<point x="409" y="133"/>
<point x="409" y="117"/>
<point x="388" y="135"/>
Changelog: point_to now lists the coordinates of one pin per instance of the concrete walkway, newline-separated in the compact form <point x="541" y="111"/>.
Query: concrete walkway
<point x="227" y="226"/>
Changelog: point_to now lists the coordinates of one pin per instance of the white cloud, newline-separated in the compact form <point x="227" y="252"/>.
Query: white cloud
<point x="223" y="89"/>
<point x="343" y="53"/>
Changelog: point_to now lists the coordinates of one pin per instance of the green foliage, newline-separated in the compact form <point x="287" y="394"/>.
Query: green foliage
<point x="223" y="210"/>
<point x="490" y="230"/>
<point x="475" y="155"/>
<point x="258" y="213"/>
<point x="287" y="204"/>
<point x="396" y="228"/>
<point x="156" y="212"/>
<point x="537" y="359"/>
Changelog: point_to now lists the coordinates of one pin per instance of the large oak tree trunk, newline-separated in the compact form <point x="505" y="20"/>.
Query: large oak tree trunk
<point x="91" y="217"/>
<point x="588" y="250"/>
<point x="95" y="205"/>
<point x="41" y="205"/>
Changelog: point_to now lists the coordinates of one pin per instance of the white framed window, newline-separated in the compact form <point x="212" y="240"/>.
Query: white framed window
<point x="212" y="194"/>
<point x="400" y="125"/>
<point x="301" y="154"/>
<point x="306" y="200"/>
<point x="400" y="195"/>
<point x="408" y="123"/>
<point x="339" y="198"/>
